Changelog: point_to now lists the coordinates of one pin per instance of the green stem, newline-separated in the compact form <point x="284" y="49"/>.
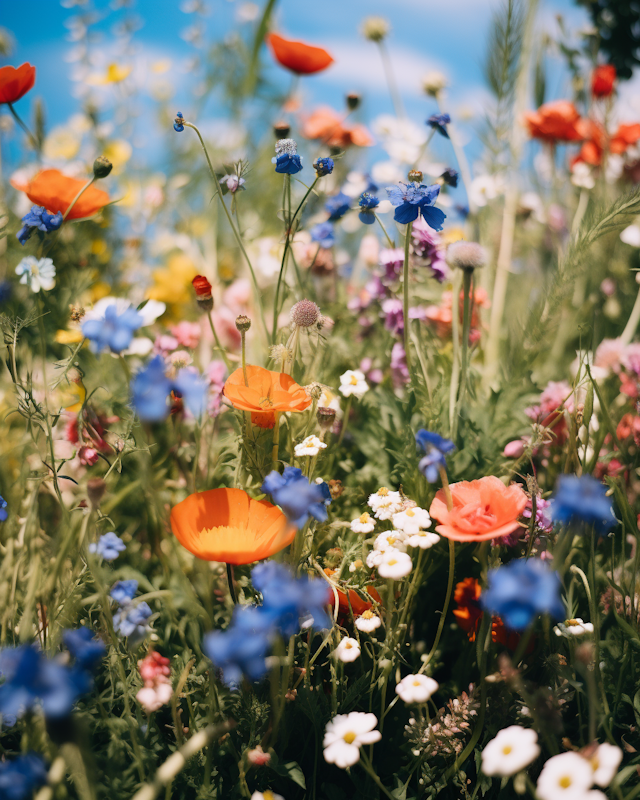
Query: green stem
<point x="390" y="241"/>
<point x="396" y="99"/>
<point x="345" y="421"/>
<point x="34" y="141"/>
<point x="77" y="197"/>
<point x="466" y="325"/>
<point x="276" y="442"/>
<point x="368" y="767"/>
<point x="219" y="347"/>
<point x="405" y="305"/>
<point x="447" y="600"/>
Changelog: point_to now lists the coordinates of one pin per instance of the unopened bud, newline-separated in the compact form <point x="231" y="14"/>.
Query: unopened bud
<point x="353" y="101"/>
<point x="415" y="176"/>
<point x="375" y="28"/>
<point x="433" y="83"/>
<point x="203" y="291"/>
<point x="281" y="129"/>
<point x="96" y="487"/>
<point x="326" y="417"/>
<point x="102" y="167"/>
<point x="243" y="323"/>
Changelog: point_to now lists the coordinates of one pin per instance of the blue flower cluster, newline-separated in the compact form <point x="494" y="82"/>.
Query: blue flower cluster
<point x="178" y="125"/>
<point x="323" y="166"/>
<point x="337" y="206"/>
<point x="109" y="546"/>
<point x="114" y="331"/>
<point x="130" y="620"/>
<point x="20" y="777"/>
<point x="151" y="388"/>
<point x="520" y="590"/>
<point x="435" y="448"/>
<point x="3" y="509"/>
<point x="31" y="680"/>
<point x="439" y="123"/>
<point x="583" y="500"/>
<point x="412" y="200"/>
<point x="324" y="234"/>
<point x="298" y="498"/>
<point x="38" y="219"/>
<point x="288" y="604"/>
<point x="368" y="203"/>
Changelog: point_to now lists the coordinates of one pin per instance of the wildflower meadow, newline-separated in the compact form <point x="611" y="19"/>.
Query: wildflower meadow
<point x="320" y="421"/>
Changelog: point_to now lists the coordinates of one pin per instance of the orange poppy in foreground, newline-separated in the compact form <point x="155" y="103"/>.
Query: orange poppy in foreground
<point x="327" y="125"/>
<point x="482" y="509"/>
<point x="15" y="82"/>
<point x="56" y="191"/>
<point x="266" y="393"/>
<point x="301" y="58"/>
<point x="558" y="121"/>
<point x="227" y="525"/>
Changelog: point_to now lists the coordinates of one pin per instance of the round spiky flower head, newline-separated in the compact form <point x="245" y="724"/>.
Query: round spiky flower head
<point x="304" y="314"/>
<point x="375" y="28"/>
<point x="280" y="353"/>
<point x="102" y="167"/>
<point x="281" y="129"/>
<point x="243" y="323"/>
<point x="466" y="255"/>
<point x="415" y="176"/>
<point x="314" y="390"/>
<point x="434" y="82"/>
<point x="286" y="147"/>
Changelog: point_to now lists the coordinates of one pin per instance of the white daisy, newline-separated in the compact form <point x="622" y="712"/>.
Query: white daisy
<point x="266" y="795"/>
<point x="416" y="688"/>
<point x="310" y="446"/>
<point x="411" y="520"/>
<point x="37" y="273"/>
<point x="368" y="622"/>
<point x="383" y="497"/>
<point x="394" y="564"/>
<point x="422" y="539"/>
<point x="352" y="383"/>
<point x="348" y="650"/>
<point x="573" y="627"/>
<point x="363" y="524"/>
<point x="344" y="736"/>
<point x="605" y="762"/>
<point x="511" y="750"/>
<point x="390" y="540"/>
<point x="564" y="776"/>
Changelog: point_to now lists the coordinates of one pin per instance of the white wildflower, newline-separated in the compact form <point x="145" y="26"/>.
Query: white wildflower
<point x="37" y="273"/>
<point x="564" y="776"/>
<point x="363" y="524"/>
<point x="368" y="621"/>
<point x="352" y="382"/>
<point x="394" y="564"/>
<point x="416" y="688"/>
<point x="411" y="520"/>
<point x="573" y="627"/>
<point x="344" y="736"/>
<point x="511" y="750"/>
<point x="310" y="446"/>
<point x="348" y="650"/>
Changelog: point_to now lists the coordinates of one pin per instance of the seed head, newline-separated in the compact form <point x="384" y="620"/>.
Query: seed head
<point x="433" y="83"/>
<point x="281" y="129"/>
<point x="466" y="255"/>
<point x="243" y="323"/>
<point x="375" y="28"/>
<point x="304" y="314"/>
<point x="326" y="417"/>
<point x="314" y="390"/>
<point x="353" y="101"/>
<point x="288" y="146"/>
<point x="415" y="176"/>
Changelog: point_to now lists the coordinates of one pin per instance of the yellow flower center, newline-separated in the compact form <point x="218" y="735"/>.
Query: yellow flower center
<point x="383" y="491"/>
<point x="410" y="512"/>
<point x="416" y="683"/>
<point x="348" y="646"/>
<point x="364" y="518"/>
<point x="268" y="795"/>
<point x="571" y="622"/>
<point x="564" y="782"/>
<point x="358" y="563"/>
<point x="391" y="540"/>
<point x="507" y="749"/>
<point x="368" y="614"/>
<point x="349" y="737"/>
<point x="392" y="562"/>
<point x="353" y="381"/>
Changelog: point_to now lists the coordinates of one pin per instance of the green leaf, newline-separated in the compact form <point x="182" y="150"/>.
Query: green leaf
<point x="291" y="770"/>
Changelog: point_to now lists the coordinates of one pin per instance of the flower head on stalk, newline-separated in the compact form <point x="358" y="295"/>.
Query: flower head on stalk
<point x="337" y="206"/>
<point x="86" y="649"/>
<point x="450" y="177"/>
<point x="15" y="82"/>
<point x="21" y="776"/>
<point x="123" y="591"/>
<point x="178" y="123"/>
<point x="435" y="448"/>
<point x="241" y="649"/>
<point x="323" y="166"/>
<point x="286" y="159"/>
<point x="114" y="331"/>
<point x="298" y="498"/>
<point x="151" y="387"/>
<point x="108" y="547"/>
<point x="38" y="219"/>
<point x="323" y="233"/>
<point x="583" y="499"/>
<point x="439" y="122"/>
<point x="344" y="736"/>
<point x="368" y="203"/>
<point x="413" y="200"/>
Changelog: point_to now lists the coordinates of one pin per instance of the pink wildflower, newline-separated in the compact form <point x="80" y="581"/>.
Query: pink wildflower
<point x="187" y="333"/>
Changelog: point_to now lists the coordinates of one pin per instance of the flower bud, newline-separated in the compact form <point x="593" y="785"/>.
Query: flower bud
<point x="203" y="290"/>
<point x="243" y="323"/>
<point x="415" y="176"/>
<point x="102" y="167"/>
<point x="326" y="417"/>
<point x="466" y="255"/>
<point x="353" y="101"/>
<point x="375" y="28"/>
<point x="96" y="487"/>
<point x="433" y="83"/>
<point x="314" y="390"/>
<point x="281" y="129"/>
<point x="336" y="489"/>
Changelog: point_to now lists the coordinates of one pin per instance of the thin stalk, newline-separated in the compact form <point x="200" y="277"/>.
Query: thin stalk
<point x="34" y="141"/>
<point x="345" y="421"/>
<point x="232" y="586"/>
<point x="78" y="196"/>
<point x="390" y="241"/>
<point x="276" y="442"/>
<point x="466" y="325"/>
<point x="396" y="98"/>
<point x="219" y="347"/>
<point x="405" y="304"/>
<point x="455" y="368"/>
<point x="634" y="318"/>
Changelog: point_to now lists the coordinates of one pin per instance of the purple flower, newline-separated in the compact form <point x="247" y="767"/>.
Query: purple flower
<point x="86" y="649"/>
<point x="21" y="776"/>
<point x="114" y="331"/>
<point x="124" y="591"/>
<point x="412" y="200"/>
<point x="298" y="498"/>
<point x="337" y="206"/>
<point x="439" y="123"/>
<point x="583" y="499"/>
<point x="323" y="166"/>
<point x="178" y="122"/>
<point x="241" y="650"/>
<point x="368" y="203"/>
<point x="38" y="219"/>
<point x="131" y="622"/>
<point x="324" y="235"/>
<point x="151" y="387"/>
<point x="436" y="448"/>
<point x="427" y="247"/>
<point x="392" y="261"/>
<point x="109" y="546"/>
<point x="394" y="315"/>
<point x="399" y="369"/>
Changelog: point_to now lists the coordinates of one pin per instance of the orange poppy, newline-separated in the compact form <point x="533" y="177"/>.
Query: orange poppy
<point x="227" y="525"/>
<point x="482" y="509"/>
<point x="326" y="124"/>
<point x="266" y="393"/>
<point x="358" y="605"/>
<point x="593" y="149"/>
<point x="558" y="121"/>
<point x="55" y="191"/>
<point x="301" y="58"/>
<point x="603" y="80"/>
<point x="15" y="82"/>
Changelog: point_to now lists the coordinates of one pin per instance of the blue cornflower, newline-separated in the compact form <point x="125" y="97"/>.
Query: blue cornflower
<point x="86" y="649"/>
<point x="337" y="206"/>
<point x="286" y="159"/>
<point x="323" y="166"/>
<point x="114" y="331"/>
<point x="367" y="204"/>
<point x="450" y="177"/>
<point x="20" y="777"/>
<point x="32" y="680"/>
<point x="414" y="199"/>
<point x="292" y="602"/>
<point x="585" y="500"/>
<point x="109" y="546"/>
<point x="151" y="388"/>
<point x="522" y="589"/>
<point x="3" y="509"/>
<point x="38" y="219"/>
<point x="435" y="448"/>
<point x="241" y="650"/>
<point x="178" y="122"/>
<point x="131" y="621"/>
<point x="324" y="235"/>
<point x="439" y="123"/>
<point x="298" y="498"/>
<point x="123" y="591"/>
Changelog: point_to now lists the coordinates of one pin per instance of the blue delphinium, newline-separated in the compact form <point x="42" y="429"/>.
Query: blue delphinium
<point x="323" y="233"/>
<point x="439" y="123"/>
<point x="114" y="331"/>
<point x="178" y="125"/>
<point x="584" y="500"/>
<point x="124" y="591"/>
<point x="435" y="448"/>
<point x="3" y="509"/>
<point x="130" y="621"/>
<point x="38" y="219"/>
<point x="521" y="590"/>
<point x="286" y="159"/>
<point x="241" y="650"/>
<point x="450" y="177"/>
<point x="86" y="649"/>
<point x="323" y="166"/>
<point x="31" y="680"/>
<point x="298" y="498"/>
<point x="151" y="387"/>
<point x="368" y="203"/>
<point x="109" y="546"/>
<point x="411" y="200"/>
<point x="337" y="206"/>
<point x="21" y="776"/>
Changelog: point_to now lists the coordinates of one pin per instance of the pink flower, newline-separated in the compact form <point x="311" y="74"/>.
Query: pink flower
<point x="609" y="354"/>
<point x="555" y="394"/>
<point x="514" y="449"/>
<point x="165" y="344"/>
<point x="216" y="372"/>
<point x="631" y="358"/>
<point x="152" y="698"/>
<point x="88" y="456"/>
<point x="237" y="296"/>
<point x="157" y="690"/>
<point x="258" y="757"/>
<point x="187" y="333"/>
<point x="369" y="249"/>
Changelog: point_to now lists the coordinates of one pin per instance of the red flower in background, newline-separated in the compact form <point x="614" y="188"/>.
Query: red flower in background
<point x="603" y="80"/>
<point x="558" y="121"/>
<point x="301" y="58"/>
<point x="15" y="82"/>
<point x="593" y="149"/>
<point x="327" y="125"/>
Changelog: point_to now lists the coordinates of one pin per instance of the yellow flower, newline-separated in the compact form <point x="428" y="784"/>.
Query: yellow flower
<point x="172" y="284"/>
<point x="114" y="74"/>
<point x="61" y="143"/>
<point x="452" y="235"/>
<point x="70" y="336"/>
<point x="72" y="394"/>
<point x="118" y="152"/>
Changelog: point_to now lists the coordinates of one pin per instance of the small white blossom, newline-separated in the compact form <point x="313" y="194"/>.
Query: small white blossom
<point x="564" y="776"/>
<point x="363" y="524"/>
<point x="344" y="736"/>
<point x="573" y="627"/>
<point x="394" y="564"/>
<point x="353" y="383"/>
<point x="37" y="273"/>
<point x="422" y="539"/>
<point x="266" y="795"/>
<point x="382" y="497"/>
<point x="411" y="520"/>
<point x="310" y="446"/>
<point x="581" y="176"/>
<point x="416" y="688"/>
<point x="354" y="565"/>
<point x="368" y="621"/>
<point x="605" y="762"/>
<point x="511" y="750"/>
<point x="390" y="540"/>
<point x="348" y="650"/>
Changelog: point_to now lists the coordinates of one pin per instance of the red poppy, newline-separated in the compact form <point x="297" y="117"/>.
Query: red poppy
<point x="327" y="125"/>
<point x="594" y="147"/>
<point x="603" y="80"/>
<point x="15" y="82"/>
<point x="301" y="58"/>
<point x="558" y="121"/>
<point x="202" y="286"/>
<point x="55" y="191"/>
